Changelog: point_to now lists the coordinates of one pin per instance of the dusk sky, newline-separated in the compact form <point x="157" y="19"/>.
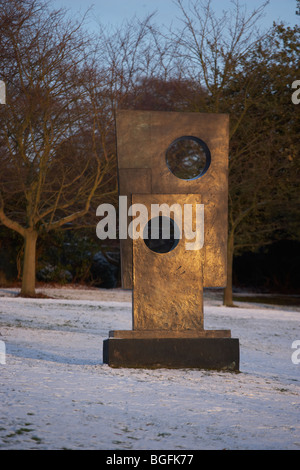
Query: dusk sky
<point x="115" y="11"/>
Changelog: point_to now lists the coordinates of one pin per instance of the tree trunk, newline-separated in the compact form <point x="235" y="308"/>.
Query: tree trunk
<point x="227" y="297"/>
<point x="28" y="277"/>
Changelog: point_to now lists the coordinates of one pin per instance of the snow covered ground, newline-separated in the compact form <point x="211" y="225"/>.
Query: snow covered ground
<point x="57" y="394"/>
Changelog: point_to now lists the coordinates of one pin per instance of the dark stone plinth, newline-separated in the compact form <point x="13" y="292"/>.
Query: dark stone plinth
<point x="172" y="353"/>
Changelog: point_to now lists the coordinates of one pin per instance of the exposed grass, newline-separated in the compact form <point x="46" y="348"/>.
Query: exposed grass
<point x="270" y="299"/>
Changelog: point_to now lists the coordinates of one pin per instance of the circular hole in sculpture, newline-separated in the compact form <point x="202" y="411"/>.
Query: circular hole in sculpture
<point x="161" y="234"/>
<point x="188" y="157"/>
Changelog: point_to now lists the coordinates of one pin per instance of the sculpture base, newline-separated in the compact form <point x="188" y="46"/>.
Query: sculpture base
<point x="140" y="334"/>
<point x="172" y="352"/>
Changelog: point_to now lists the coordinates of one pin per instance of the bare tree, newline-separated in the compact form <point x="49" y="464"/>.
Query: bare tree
<point x="56" y="155"/>
<point x="126" y="55"/>
<point x="228" y="56"/>
<point x="210" y="48"/>
<point x="247" y="74"/>
<point x="264" y="157"/>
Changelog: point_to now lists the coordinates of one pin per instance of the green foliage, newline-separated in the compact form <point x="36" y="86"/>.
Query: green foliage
<point x="11" y="251"/>
<point x="67" y="256"/>
<point x="264" y="154"/>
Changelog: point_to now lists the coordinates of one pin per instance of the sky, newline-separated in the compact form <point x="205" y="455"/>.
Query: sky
<point x="113" y="12"/>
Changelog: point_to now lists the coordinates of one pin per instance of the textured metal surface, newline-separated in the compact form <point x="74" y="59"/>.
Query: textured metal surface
<point x="137" y="180"/>
<point x="167" y="287"/>
<point x="142" y="140"/>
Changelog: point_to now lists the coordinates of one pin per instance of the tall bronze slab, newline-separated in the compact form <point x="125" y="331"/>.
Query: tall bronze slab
<point x="168" y="286"/>
<point x="143" y="138"/>
<point x="167" y="292"/>
<point x="139" y="180"/>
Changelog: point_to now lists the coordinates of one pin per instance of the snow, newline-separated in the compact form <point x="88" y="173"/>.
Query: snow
<point x="56" y="393"/>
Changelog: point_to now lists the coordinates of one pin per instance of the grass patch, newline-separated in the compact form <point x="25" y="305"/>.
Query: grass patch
<point x="23" y="430"/>
<point x="290" y="301"/>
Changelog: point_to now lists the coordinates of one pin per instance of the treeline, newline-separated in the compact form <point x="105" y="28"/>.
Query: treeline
<point x="58" y="143"/>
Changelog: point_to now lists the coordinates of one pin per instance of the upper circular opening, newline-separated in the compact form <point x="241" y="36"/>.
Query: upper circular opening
<point x="188" y="157"/>
<point x="161" y="234"/>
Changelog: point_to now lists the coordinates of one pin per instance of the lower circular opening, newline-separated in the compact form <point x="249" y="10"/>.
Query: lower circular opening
<point x="161" y="234"/>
